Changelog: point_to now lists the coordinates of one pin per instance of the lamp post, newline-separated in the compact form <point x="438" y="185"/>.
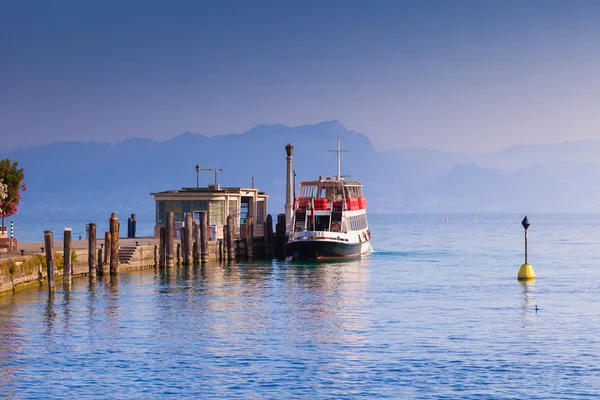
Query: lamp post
<point x="197" y="179"/>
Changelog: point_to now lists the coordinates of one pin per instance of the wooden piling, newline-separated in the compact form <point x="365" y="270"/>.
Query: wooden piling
<point x="106" y="262"/>
<point x="133" y="225"/>
<point x="230" y="239"/>
<point x="280" y="238"/>
<point x="225" y="245"/>
<point x="49" y="245"/>
<point x="169" y="238"/>
<point x="114" y="245"/>
<point x="203" y="237"/>
<point x="268" y="235"/>
<point x="179" y="253"/>
<point x="155" y="256"/>
<point x="162" y="248"/>
<point x="220" y="241"/>
<point x="100" y="261"/>
<point x="197" y="245"/>
<point x="249" y="237"/>
<point x="195" y="252"/>
<point x="189" y="239"/>
<point x="92" y="265"/>
<point x="67" y="273"/>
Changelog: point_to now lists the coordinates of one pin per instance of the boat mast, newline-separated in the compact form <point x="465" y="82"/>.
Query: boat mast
<point x="339" y="151"/>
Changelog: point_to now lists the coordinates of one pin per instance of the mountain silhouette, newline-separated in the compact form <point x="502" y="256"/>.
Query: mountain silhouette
<point x="120" y="177"/>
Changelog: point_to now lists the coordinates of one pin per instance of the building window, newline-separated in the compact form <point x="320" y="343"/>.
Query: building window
<point x="181" y="207"/>
<point x="260" y="212"/>
<point x="216" y="215"/>
<point x="160" y="213"/>
<point x="200" y="205"/>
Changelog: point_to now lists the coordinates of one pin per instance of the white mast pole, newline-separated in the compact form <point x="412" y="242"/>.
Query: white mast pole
<point x="339" y="151"/>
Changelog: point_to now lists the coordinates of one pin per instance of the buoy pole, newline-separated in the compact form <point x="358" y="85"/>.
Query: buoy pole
<point x="526" y="271"/>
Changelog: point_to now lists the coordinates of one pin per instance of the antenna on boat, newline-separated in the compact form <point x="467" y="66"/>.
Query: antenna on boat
<point x="339" y="152"/>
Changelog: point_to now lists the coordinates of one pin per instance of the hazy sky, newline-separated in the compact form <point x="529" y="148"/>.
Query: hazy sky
<point x="453" y="75"/>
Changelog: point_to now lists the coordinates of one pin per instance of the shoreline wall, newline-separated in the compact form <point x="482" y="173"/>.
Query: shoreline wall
<point x="22" y="270"/>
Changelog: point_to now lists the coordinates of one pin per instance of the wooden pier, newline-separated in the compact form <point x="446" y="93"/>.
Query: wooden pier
<point x="96" y="257"/>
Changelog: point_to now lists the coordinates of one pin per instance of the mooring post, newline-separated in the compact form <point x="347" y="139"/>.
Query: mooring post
<point x="220" y="242"/>
<point x="169" y="238"/>
<point x="249" y="237"/>
<point x="225" y="245"/>
<point x="180" y="245"/>
<point x="155" y="256"/>
<point x="195" y="252"/>
<point x="114" y="245"/>
<point x="162" y="248"/>
<point x="197" y="244"/>
<point x="106" y="261"/>
<point x="133" y="225"/>
<point x="67" y="273"/>
<point x="129" y="228"/>
<point x="280" y="239"/>
<point x="49" y="244"/>
<point x="203" y="237"/>
<point x="268" y="234"/>
<point x="92" y="266"/>
<point x="189" y="239"/>
<point x="100" y="261"/>
<point x="230" y="239"/>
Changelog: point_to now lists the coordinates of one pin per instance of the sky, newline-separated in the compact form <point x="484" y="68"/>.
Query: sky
<point x="453" y="75"/>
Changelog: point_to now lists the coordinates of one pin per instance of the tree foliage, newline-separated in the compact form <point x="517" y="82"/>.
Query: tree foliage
<point x="12" y="177"/>
<point x="2" y="193"/>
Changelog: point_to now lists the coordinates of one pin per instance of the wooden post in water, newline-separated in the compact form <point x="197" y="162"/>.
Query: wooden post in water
<point x="179" y="253"/>
<point x="189" y="239"/>
<point x="162" y="248"/>
<point x="225" y="245"/>
<point x="100" y="261"/>
<point x="280" y="239"/>
<point x="220" y="241"/>
<point x="169" y="239"/>
<point x="230" y="239"/>
<point x="49" y="243"/>
<point x="197" y="244"/>
<point x="92" y="265"/>
<point x="249" y="237"/>
<point x="268" y="234"/>
<point x="107" y="247"/>
<point x="155" y="256"/>
<point x="203" y="237"/>
<point x="195" y="252"/>
<point x="114" y="245"/>
<point x="133" y="225"/>
<point x="67" y="273"/>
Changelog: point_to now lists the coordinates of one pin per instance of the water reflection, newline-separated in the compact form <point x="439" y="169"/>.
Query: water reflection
<point x="10" y="345"/>
<point x="528" y="306"/>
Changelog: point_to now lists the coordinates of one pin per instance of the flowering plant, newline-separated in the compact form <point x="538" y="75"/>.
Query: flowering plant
<point x="12" y="178"/>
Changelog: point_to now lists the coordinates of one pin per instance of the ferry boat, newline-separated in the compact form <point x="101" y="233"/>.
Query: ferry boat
<point x="329" y="219"/>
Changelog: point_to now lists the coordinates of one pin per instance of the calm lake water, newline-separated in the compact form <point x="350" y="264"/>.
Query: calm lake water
<point x="435" y="312"/>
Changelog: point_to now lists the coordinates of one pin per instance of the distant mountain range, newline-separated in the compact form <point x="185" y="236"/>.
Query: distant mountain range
<point x="119" y="177"/>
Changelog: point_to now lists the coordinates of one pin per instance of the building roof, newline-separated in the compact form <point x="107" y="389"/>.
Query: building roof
<point x="211" y="190"/>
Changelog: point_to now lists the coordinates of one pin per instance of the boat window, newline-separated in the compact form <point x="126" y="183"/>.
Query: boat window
<point x="322" y="222"/>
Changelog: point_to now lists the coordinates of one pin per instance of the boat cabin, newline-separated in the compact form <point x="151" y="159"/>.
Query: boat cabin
<point x="319" y="206"/>
<point x="218" y="203"/>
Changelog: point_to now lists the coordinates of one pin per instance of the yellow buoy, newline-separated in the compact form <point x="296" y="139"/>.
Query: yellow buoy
<point x="526" y="273"/>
